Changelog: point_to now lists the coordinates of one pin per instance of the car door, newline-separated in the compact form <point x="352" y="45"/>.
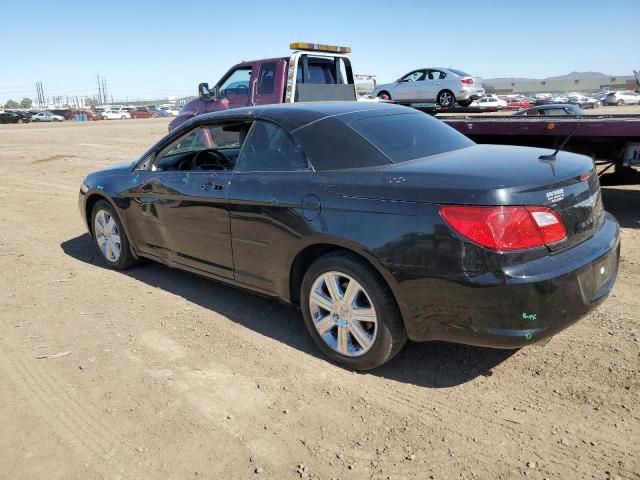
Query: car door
<point x="407" y="87"/>
<point x="430" y="85"/>
<point x="182" y="212"/>
<point x="269" y="187"/>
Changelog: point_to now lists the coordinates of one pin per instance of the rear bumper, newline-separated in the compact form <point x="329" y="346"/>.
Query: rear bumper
<point x="524" y="304"/>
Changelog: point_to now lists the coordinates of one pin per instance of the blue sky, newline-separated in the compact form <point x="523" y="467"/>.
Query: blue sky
<point x="148" y="49"/>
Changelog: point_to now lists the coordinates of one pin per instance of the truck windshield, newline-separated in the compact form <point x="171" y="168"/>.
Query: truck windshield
<point x="410" y="135"/>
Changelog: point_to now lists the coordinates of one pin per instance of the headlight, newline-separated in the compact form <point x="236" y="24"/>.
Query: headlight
<point x="84" y="188"/>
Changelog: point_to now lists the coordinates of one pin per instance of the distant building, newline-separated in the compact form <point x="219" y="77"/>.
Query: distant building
<point x="505" y="86"/>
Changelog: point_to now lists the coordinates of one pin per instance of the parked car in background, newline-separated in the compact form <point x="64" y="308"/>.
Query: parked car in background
<point x="115" y="115"/>
<point x="519" y="103"/>
<point x="160" y="113"/>
<point x="88" y="113"/>
<point x="444" y="86"/>
<point x="626" y="97"/>
<point x="551" y="110"/>
<point x="490" y="101"/>
<point x="584" y="102"/>
<point x="10" y="117"/>
<point x="488" y="245"/>
<point x="47" y="117"/>
<point x="61" y="112"/>
<point x="25" y="115"/>
<point x="171" y="111"/>
<point x="142" y="112"/>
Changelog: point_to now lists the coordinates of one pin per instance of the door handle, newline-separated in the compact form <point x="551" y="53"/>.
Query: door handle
<point x="213" y="185"/>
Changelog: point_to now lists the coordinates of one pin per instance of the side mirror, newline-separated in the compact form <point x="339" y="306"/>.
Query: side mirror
<point x="203" y="91"/>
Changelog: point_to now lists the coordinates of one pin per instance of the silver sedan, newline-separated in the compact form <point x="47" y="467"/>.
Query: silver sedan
<point x="444" y="86"/>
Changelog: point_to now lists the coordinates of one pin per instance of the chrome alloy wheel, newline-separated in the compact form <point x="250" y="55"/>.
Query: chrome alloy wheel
<point x="446" y="99"/>
<point x="343" y="314"/>
<point x="107" y="235"/>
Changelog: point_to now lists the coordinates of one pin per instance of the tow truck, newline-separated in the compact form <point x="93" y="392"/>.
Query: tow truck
<point x="313" y="72"/>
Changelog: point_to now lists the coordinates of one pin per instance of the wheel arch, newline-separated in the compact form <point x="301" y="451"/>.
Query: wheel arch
<point x="94" y="197"/>
<point x="306" y="256"/>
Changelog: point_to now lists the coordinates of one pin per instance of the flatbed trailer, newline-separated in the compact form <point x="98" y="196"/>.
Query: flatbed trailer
<point x="612" y="139"/>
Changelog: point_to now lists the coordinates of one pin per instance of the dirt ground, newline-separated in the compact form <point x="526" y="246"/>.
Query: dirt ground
<point x="165" y="375"/>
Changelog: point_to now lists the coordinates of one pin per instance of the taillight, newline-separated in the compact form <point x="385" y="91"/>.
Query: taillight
<point x="468" y="81"/>
<point x="506" y="228"/>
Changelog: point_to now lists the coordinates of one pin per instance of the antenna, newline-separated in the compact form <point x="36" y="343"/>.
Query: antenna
<point x="552" y="157"/>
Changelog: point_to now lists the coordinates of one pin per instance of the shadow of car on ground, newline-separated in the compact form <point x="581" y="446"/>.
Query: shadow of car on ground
<point x="432" y="364"/>
<point x="623" y="203"/>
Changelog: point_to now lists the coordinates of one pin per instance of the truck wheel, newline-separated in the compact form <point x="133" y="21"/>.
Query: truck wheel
<point x="384" y="95"/>
<point x="446" y="98"/>
<point x="465" y="103"/>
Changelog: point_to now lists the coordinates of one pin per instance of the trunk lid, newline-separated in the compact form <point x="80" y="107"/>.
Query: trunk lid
<point x="485" y="175"/>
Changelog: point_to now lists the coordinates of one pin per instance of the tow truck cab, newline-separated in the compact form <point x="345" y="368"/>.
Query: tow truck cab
<point x="312" y="73"/>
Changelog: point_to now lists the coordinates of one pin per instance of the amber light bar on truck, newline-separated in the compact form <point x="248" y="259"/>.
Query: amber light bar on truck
<point x="317" y="47"/>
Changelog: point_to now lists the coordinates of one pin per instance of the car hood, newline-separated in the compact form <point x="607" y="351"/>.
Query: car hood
<point x="481" y="174"/>
<point x="116" y="169"/>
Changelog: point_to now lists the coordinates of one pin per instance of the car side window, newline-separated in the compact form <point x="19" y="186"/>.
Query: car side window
<point x="206" y="147"/>
<point x="269" y="148"/>
<point x="414" y="76"/>
<point x="237" y="83"/>
<point x="266" y="78"/>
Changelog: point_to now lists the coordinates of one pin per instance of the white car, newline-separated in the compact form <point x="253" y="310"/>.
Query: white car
<point x="115" y="115"/>
<point x="626" y="97"/>
<point x="46" y="117"/>
<point x="444" y="86"/>
<point x="490" y="101"/>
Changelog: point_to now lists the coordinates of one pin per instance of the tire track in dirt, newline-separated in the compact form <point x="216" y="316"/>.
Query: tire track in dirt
<point x="71" y="420"/>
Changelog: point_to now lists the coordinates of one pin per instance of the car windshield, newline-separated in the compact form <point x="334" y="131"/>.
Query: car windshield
<point x="408" y="136"/>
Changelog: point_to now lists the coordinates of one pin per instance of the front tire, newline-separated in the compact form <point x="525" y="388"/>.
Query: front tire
<point x="384" y="95"/>
<point x="350" y="312"/>
<point x="110" y="237"/>
<point x="446" y="99"/>
<point x="620" y="102"/>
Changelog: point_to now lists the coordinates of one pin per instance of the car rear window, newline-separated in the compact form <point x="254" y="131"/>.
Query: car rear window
<point x="408" y="136"/>
<point x="459" y="72"/>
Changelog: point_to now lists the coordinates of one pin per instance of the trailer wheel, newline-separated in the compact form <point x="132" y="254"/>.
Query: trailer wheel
<point x="446" y="98"/>
<point x="384" y="95"/>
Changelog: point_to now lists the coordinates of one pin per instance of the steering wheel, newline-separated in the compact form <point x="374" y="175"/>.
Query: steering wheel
<point x="242" y="86"/>
<point x="210" y="157"/>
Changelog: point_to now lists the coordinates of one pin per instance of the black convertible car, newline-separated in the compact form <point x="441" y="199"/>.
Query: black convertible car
<point x="380" y="222"/>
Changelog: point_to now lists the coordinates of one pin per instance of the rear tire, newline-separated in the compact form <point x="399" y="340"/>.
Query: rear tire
<point x="446" y="99"/>
<point x="367" y="344"/>
<point x="620" y="102"/>
<point x="465" y="103"/>
<point x="384" y="95"/>
<point x="123" y="117"/>
<point x="110" y="238"/>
